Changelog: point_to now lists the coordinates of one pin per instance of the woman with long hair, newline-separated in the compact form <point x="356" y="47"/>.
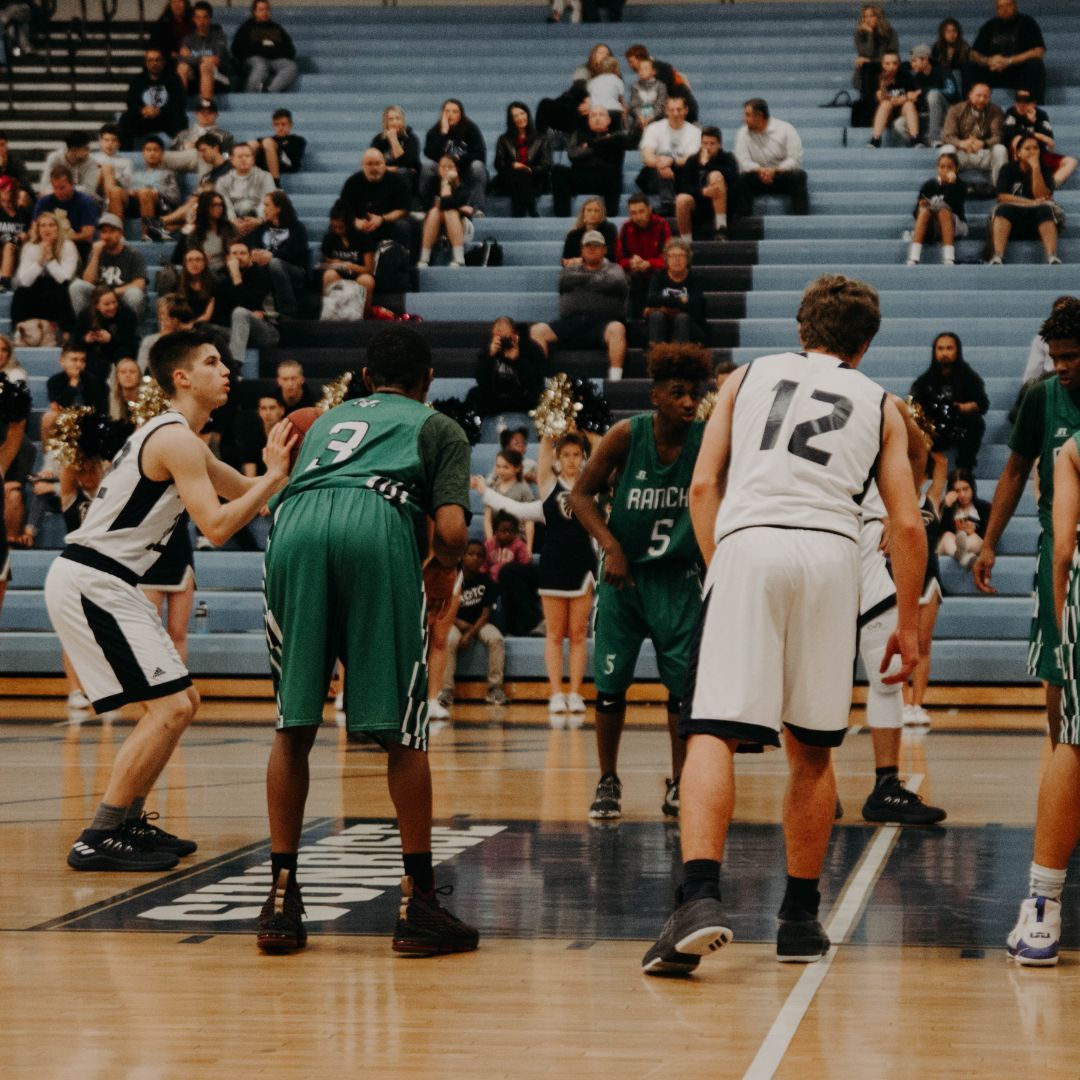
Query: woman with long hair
<point x="124" y="383"/>
<point x="176" y="22"/>
<point x="195" y="286"/>
<point x="963" y="520"/>
<point x="108" y="331"/>
<point x="445" y="198"/>
<point x="874" y="37"/>
<point x="950" y="52"/>
<point x="280" y="243"/>
<point x="593" y="65"/>
<point x="47" y="266"/>
<point x="522" y="161"/>
<point x="400" y="145"/>
<point x="1025" y="197"/>
<point x="454" y="135"/>
<point x="592" y="215"/>
<point x="213" y="232"/>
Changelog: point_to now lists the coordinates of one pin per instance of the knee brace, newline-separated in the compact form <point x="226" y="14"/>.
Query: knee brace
<point x="611" y="703"/>
<point x="884" y="703"/>
<point x="674" y="704"/>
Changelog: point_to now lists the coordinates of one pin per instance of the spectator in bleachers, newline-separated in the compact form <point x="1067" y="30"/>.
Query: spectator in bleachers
<point x="16" y="21"/>
<point x="76" y="156"/>
<point x="473" y="623"/>
<point x="172" y="26"/>
<point x="211" y="233"/>
<point x="282" y="152"/>
<point x="212" y="166"/>
<point x="593" y="65"/>
<point x="280" y="244"/>
<point x="124" y="384"/>
<point x="932" y="102"/>
<point x="445" y="198"/>
<point x="874" y="37"/>
<point x="48" y="262"/>
<point x="590" y="10"/>
<point x="950" y="53"/>
<point x="648" y="96"/>
<point x="114" y="264"/>
<point x="517" y="439"/>
<point x="154" y="190"/>
<point x="156" y="102"/>
<point x="1038" y="361"/>
<point x="242" y="303"/>
<point x="640" y="249"/>
<point x="292" y="390"/>
<point x="522" y="161"/>
<point x="183" y="154"/>
<point x="592" y="307"/>
<point x="963" y="520"/>
<point x="505" y="544"/>
<point x="106" y="331"/>
<point x="253" y="431"/>
<point x="400" y="146"/>
<point x="770" y="157"/>
<point x="72" y="385"/>
<point x="265" y="52"/>
<point x="114" y="171"/>
<point x="456" y="136"/>
<point x="508" y="478"/>
<point x="596" y="165"/>
<point x="896" y="92"/>
<point x="9" y="361"/>
<point x="378" y="200"/>
<point x="1024" y="117"/>
<point x="1025" y="198"/>
<point x="675" y="82"/>
<point x="14" y="230"/>
<point x="708" y="178"/>
<point x="196" y="287"/>
<point x="204" y="62"/>
<point x="591" y="217"/>
<point x="973" y="132"/>
<point x="666" y="146"/>
<point x="173" y="315"/>
<point x="1008" y="51"/>
<point x="607" y="90"/>
<point x="347" y="255"/>
<point x="940" y="207"/>
<point x="675" y="305"/>
<point x="79" y="211"/>
<point x="950" y="384"/>
<point x="509" y="371"/>
<point x="13" y="166"/>
<point x="245" y="186"/>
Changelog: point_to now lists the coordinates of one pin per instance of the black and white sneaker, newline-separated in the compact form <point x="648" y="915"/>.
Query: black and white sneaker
<point x="693" y="931"/>
<point x="152" y="837"/>
<point x="280" y="927"/>
<point x="892" y="803"/>
<point x="607" y="803"/>
<point x="801" y="941"/>
<point x="116" y="850"/>
<point x="670" y="806"/>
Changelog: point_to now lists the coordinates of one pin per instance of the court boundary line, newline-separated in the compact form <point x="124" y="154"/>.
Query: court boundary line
<point x="842" y="920"/>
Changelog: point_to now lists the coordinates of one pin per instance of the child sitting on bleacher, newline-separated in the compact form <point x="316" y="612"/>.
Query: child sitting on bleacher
<point x="505" y="545"/>
<point x="940" y="204"/>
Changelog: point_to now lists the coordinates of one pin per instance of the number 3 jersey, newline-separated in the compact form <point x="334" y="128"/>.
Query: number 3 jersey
<point x="132" y="517"/>
<point x="650" y="510"/>
<point x="805" y="437"/>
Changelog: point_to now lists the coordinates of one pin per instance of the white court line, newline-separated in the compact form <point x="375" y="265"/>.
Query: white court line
<point x="840" y="924"/>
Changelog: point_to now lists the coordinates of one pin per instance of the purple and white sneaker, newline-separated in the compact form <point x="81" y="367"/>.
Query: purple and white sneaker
<point x="1036" y="936"/>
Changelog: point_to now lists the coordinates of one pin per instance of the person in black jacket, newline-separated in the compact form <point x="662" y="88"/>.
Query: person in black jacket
<point x="156" y="102"/>
<point x="69" y="387"/>
<point x="265" y="52"/>
<point x="953" y="395"/>
<point x="675" y="304"/>
<point x="456" y="136"/>
<point x="522" y="161"/>
<point x="963" y="520"/>
<point x="703" y="186"/>
<point x="241" y="302"/>
<point x="509" y="371"/>
<point x="280" y="243"/>
<point x="168" y="31"/>
<point x="400" y="146"/>
<point x="596" y="165"/>
<point x="378" y="200"/>
<point x="107" y="332"/>
<point x="445" y="198"/>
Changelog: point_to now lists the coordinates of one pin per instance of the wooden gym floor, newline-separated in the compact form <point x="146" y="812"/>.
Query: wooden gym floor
<point x="115" y="975"/>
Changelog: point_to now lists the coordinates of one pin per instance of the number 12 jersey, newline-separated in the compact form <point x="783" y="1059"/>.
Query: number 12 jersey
<point x="805" y="438"/>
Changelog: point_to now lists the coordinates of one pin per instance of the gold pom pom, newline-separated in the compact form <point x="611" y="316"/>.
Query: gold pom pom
<point x="556" y="410"/>
<point x="922" y="421"/>
<point x="151" y="402"/>
<point x="334" y="393"/>
<point x="706" y="405"/>
<point x="63" y="443"/>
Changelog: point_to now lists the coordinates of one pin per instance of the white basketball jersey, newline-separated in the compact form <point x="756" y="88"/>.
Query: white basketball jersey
<point x="805" y="438"/>
<point x="132" y="517"/>
<point x="872" y="506"/>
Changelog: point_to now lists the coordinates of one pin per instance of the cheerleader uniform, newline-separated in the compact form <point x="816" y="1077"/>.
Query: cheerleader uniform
<point x="175" y="570"/>
<point x="932" y="578"/>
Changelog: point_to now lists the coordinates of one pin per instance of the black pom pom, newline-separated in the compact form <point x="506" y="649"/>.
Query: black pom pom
<point x="15" y="400"/>
<point x="102" y="437"/>
<point x="462" y="414"/>
<point x="595" y="414"/>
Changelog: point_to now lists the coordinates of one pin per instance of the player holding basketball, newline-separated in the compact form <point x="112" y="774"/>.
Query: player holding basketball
<point x="109" y="629"/>
<point x="792" y="444"/>
<point x="344" y="580"/>
<point x="1035" y="939"/>
<point x="651" y="583"/>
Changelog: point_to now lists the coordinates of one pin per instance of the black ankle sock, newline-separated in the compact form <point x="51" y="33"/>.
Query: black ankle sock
<point x="418" y="867"/>
<point x="701" y="877"/>
<point x="884" y="773"/>
<point x="801" y="898"/>
<point x="283" y="860"/>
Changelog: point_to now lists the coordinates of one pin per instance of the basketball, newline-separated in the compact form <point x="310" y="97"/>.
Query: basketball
<point x="301" y="420"/>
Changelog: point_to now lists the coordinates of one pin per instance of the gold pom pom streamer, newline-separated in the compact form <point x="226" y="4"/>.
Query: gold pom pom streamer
<point x="151" y="402"/>
<point x="556" y="410"/>
<point x="63" y="443"/>
<point x="922" y="421"/>
<point x="706" y="405"/>
<point x="334" y="393"/>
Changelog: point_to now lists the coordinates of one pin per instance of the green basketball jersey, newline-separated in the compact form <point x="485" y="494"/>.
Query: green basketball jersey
<point x="1061" y="419"/>
<point x="650" y="511"/>
<point x="372" y="443"/>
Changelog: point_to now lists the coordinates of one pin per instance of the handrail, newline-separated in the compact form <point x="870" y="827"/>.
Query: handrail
<point x="49" y="9"/>
<point x="76" y="32"/>
<point x="108" y="13"/>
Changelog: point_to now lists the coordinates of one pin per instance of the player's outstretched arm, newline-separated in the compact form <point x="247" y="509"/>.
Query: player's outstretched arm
<point x="174" y="452"/>
<point x="1006" y="498"/>
<point x="710" y="472"/>
<point x="1066" y="520"/>
<point x="908" y="542"/>
<point x="607" y="460"/>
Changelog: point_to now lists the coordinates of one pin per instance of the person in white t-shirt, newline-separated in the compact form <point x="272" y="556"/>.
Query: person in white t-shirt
<point x="770" y="157"/>
<point x="666" y="146"/>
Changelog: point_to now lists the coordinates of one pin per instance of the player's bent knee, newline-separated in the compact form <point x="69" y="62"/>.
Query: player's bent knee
<point x="610" y="704"/>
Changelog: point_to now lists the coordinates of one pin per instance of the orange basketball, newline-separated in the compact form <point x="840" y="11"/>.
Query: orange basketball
<point x="301" y="420"/>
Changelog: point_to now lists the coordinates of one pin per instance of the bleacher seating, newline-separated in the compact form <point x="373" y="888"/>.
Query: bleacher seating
<point x="356" y="61"/>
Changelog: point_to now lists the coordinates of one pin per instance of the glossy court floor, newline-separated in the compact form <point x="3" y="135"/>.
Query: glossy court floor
<point x="126" y="976"/>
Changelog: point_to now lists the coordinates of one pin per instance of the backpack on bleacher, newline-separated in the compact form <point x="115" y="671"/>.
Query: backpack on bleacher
<point x="488" y="253"/>
<point x="392" y="272"/>
<point x="344" y="301"/>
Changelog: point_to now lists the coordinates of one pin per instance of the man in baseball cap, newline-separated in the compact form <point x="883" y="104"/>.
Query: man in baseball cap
<point x="112" y="263"/>
<point x="931" y="102"/>
<point x="183" y="156"/>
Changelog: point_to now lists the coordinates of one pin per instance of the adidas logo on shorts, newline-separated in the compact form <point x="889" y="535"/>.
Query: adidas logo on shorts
<point x="157" y="673"/>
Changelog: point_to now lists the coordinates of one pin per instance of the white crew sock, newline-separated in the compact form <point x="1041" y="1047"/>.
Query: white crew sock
<point x="425" y="256"/>
<point x="1044" y="881"/>
<point x="614" y="374"/>
<point x="721" y="221"/>
<point x="459" y="253"/>
<point x="948" y="253"/>
<point x="915" y="252"/>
